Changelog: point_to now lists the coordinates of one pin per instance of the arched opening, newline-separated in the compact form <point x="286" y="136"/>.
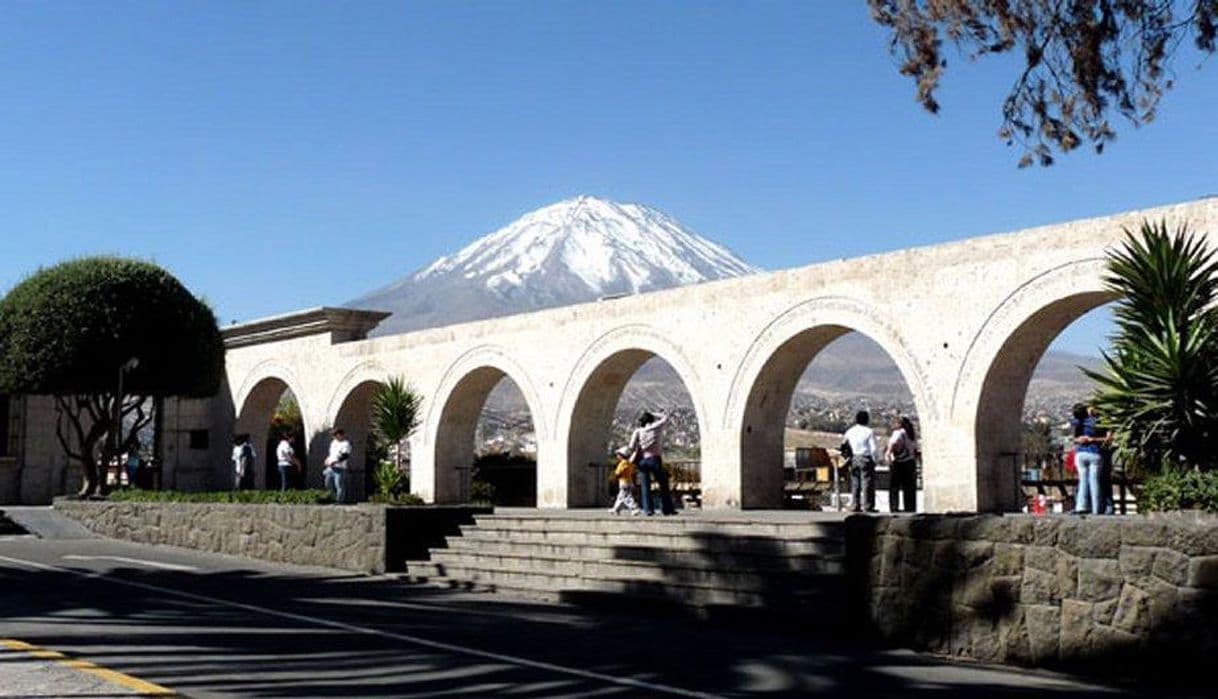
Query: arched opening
<point x="804" y="397"/>
<point x="486" y="445"/>
<point x="505" y="449"/>
<point x="354" y="417"/>
<point x="270" y="409"/>
<point x="1010" y="429"/>
<point x="605" y="414"/>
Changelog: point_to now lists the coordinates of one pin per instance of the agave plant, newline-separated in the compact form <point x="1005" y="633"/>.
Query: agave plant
<point x="395" y="415"/>
<point x="1159" y="385"/>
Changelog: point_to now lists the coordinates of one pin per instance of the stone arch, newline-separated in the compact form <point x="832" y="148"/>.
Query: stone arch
<point x="766" y="379"/>
<point x="998" y="366"/>
<point x="255" y="406"/>
<point x="452" y="417"/>
<point x="350" y="408"/>
<point x="593" y="390"/>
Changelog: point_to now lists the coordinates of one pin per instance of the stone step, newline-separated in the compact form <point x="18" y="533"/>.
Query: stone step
<point x="653" y="555"/>
<point x="608" y="523"/>
<point x="815" y="573"/>
<point x="574" y="588"/>
<point x="669" y="540"/>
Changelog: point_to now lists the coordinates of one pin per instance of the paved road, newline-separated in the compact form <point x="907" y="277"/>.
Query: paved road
<point x="217" y="626"/>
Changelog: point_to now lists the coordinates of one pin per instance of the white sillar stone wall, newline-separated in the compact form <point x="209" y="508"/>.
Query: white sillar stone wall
<point x="966" y="323"/>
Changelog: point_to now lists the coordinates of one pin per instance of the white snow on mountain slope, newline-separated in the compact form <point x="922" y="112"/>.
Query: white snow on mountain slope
<point x="601" y="242"/>
<point x="571" y="252"/>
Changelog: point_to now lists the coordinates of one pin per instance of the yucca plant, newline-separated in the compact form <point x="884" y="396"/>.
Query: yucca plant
<point x="395" y="415"/>
<point x="1158" y="389"/>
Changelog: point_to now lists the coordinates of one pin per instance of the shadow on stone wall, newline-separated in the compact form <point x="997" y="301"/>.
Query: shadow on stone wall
<point x="1127" y="598"/>
<point x="789" y="583"/>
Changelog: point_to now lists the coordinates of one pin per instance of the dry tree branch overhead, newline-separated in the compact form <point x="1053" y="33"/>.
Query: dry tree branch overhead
<point x="1084" y="60"/>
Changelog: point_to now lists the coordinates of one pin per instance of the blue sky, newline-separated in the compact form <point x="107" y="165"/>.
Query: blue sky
<point x="277" y="155"/>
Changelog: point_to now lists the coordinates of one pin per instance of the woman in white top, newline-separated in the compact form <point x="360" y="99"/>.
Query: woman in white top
<point x="902" y="453"/>
<point x="646" y="445"/>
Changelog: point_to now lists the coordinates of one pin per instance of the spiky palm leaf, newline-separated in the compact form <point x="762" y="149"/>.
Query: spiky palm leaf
<point x="395" y="413"/>
<point x="1159" y="386"/>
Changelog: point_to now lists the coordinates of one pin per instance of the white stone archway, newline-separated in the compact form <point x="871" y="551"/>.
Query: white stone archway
<point x="257" y="398"/>
<point x="590" y="397"/>
<point x="447" y="443"/>
<point x="765" y="382"/>
<point x="350" y="409"/>
<point x="988" y="397"/>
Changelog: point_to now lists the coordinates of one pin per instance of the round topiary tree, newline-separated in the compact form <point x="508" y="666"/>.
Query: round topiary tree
<point x="71" y="330"/>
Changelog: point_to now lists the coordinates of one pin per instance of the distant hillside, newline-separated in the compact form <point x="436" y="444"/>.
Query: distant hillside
<point x="853" y="369"/>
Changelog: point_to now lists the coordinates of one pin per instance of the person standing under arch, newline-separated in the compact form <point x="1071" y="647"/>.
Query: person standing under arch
<point x="1089" y="441"/>
<point x="646" y="445"/>
<point x="286" y="461"/>
<point x="863" y="455"/>
<point x="902" y="455"/>
<point x="336" y="466"/>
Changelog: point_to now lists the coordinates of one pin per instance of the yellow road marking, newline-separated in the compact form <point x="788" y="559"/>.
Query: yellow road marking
<point x="114" y="676"/>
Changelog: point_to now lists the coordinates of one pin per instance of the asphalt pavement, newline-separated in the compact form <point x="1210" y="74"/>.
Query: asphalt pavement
<point x="206" y="625"/>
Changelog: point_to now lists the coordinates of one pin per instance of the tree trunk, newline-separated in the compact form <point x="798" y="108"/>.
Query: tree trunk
<point x="92" y="476"/>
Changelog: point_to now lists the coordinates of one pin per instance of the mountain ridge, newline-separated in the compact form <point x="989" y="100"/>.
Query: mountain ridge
<point x="574" y="251"/>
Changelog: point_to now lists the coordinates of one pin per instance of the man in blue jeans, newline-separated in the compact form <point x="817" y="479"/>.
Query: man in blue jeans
<point x="336" y="466"/>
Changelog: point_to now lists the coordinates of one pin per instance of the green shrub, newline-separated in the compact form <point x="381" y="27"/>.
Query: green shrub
<point x="481" y="492"/>
<point x="1180" y="489"/>
<point x="403" y="499"/>
<point x="247" y="497"/>
<point x="389" y="479"/>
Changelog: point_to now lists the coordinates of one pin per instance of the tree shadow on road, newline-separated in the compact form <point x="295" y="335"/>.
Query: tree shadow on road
<point x="383" y="638"/>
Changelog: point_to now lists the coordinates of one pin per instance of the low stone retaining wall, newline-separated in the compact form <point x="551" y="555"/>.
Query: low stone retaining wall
<point x="1124" y="596"/>
<point x="364" y="538"/>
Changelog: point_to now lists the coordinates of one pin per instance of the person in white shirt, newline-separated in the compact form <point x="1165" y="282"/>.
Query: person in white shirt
<point x="285" y="458"/>
<point x="863" y="456"/>
<point x="243" y="459"/>
<point x="336" y="465"/>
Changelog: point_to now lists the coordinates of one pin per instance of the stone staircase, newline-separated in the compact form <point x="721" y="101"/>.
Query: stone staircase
<point x="778" y="561"/>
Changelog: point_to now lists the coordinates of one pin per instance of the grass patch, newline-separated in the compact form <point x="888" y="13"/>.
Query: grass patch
<point x="1180" y="489"/>
<point x="403" y="499"/>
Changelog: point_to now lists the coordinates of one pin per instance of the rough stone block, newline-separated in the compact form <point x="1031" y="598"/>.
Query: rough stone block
<point x="1203" y="572"/>
<point x="1091" y="537"/>
<point x="1044" y="632"/>
<point x="989" y="528"/>
<point x="1136" y="561"/>
<point x="919" y="553"/>
<point x="1044" y="531"/>
<point x="1133" y="610"/>
<point x="1067" y="576"/>
<point x="1195" y="538"/>
<point x="1008" y="559"/>
<point x="1076" y="628"/>
<point x="1171" y="566"/>
<point x="945" y="555"/>
<point x="1098" y="579"/>
<point x="1014" y="637"/>
<point x="1041" y="558"/>
<point x="973" y="554"/>
<point x="1039" y="587"/>
<point x="1144" y="531"/>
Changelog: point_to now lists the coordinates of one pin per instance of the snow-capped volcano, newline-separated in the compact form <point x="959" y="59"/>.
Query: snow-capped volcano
<point x="574" y="251"/>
